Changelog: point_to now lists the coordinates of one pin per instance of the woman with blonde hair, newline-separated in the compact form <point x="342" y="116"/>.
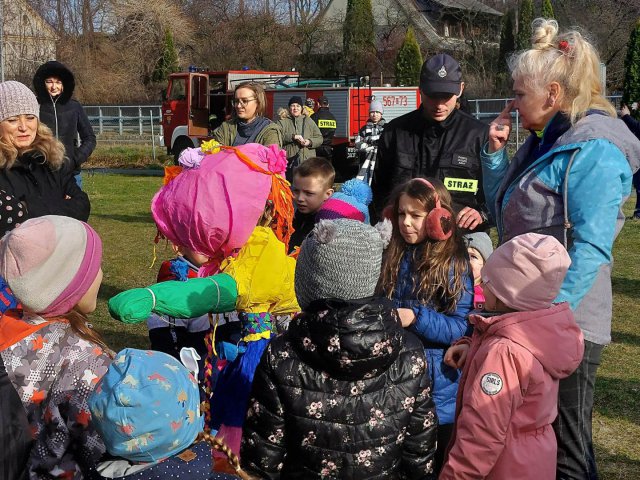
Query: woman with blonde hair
<point x="569" y="179"/>
<point x="248" y="123"/>
<point x="32" y="172"/>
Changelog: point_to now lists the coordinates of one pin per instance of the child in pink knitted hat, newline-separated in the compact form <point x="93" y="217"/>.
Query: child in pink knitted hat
<point x="52" y="356"/>
<point x="508" y="394"/>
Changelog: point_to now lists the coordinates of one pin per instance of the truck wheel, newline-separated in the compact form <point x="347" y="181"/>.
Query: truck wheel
<point x="181" y="144"/>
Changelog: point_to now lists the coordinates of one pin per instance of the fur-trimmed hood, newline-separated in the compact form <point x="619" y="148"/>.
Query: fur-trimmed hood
<point x="53" y="69"/>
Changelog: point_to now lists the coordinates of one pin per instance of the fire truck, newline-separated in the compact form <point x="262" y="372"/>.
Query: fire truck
<point x="197" y="102"/>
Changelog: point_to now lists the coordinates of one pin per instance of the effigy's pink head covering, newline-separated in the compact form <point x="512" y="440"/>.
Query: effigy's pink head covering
<point x="214" y="208"/>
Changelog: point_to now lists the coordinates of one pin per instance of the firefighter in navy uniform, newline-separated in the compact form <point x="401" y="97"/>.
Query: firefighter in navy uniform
<point x="436" y="140"/>
<point x="327" y="124"/>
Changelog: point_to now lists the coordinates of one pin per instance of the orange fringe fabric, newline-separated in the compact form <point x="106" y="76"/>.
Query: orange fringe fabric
<point x="170" y="173"/>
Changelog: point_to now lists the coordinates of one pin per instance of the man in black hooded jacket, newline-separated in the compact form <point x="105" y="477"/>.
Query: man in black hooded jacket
<point x="54" y="85"/>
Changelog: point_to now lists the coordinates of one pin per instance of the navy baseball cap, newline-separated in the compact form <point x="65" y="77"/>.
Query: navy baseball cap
<point x="441" y="74"/>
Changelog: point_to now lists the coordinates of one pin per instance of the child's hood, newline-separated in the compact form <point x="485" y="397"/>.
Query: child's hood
<point x="348" y="340"/>
<point x="551" y="335"/>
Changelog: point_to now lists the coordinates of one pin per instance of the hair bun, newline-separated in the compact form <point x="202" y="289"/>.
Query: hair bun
<point x="544" y="33"/>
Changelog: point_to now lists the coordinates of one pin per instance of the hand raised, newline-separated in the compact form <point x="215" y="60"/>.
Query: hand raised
<point x="500" y="129"/>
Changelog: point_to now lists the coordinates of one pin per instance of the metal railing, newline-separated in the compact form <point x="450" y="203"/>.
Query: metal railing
<point x="125" y="119"/>
<point x="144" y="120"/>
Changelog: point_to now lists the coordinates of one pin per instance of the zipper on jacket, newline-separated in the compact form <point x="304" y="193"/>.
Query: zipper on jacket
<point x="55" y="111"/>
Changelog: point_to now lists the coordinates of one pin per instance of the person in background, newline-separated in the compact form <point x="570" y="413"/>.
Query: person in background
<point x="344" y="392"/>
<point x="569" y="179"/>
<point x="54" y="84"/>
<point x="327" y="124"/>
<point x="436" y="140"/>
<point x="479" y="248"/>
<point x="425" y="273"/>
<point x="168" y="334"/>
<point x="367" y="140"/>
<point x="634" y="126"/>
<point x="248" y="123"/>
<point x="312" y="186"/>
<point x="31" y="163"/>
<point x="157" y="433"/>
<point x="309" y="107"/>
<point x="300" y="134"/>
<point x="52" y="355"/>
<point x="521" y="348"/>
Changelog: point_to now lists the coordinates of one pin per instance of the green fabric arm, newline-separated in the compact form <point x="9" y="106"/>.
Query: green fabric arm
<point x="193" y="298"/>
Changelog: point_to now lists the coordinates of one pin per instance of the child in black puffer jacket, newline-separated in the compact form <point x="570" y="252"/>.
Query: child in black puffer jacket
<point x="344" y="393"/>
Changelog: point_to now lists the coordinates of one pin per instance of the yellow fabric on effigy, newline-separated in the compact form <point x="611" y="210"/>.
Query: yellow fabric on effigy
<point x="264" y="275"/>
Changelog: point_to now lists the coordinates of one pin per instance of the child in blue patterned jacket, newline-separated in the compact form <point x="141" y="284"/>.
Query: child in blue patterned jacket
<point x="147" y="410"/>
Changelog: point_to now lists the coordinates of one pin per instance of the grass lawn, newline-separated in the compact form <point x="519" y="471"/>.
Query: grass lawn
<point x="120" y="214"/>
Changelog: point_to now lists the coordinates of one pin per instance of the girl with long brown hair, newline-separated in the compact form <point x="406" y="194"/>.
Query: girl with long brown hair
<point x="425" y="272"/>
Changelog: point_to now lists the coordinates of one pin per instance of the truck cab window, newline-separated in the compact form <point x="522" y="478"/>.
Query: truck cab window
<point x="177" y="89"/>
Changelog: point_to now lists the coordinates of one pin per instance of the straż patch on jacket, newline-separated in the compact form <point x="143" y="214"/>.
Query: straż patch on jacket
<point x="491" y="383"/>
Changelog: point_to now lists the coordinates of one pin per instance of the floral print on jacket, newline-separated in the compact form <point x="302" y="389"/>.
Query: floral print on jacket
<point x="344" y="393"/>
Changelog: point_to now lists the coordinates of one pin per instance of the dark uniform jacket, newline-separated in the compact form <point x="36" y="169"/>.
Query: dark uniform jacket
<point x="65" y="116"/>
<point x="326" y="123"/>
<point x="343" y="393"/>
<point x="412" y="146"/>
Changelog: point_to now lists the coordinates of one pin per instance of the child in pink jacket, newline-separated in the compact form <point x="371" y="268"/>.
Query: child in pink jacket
<point x="508" y="393"/>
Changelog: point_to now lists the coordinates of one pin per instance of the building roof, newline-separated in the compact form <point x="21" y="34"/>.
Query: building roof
<point x="468" y="5"/>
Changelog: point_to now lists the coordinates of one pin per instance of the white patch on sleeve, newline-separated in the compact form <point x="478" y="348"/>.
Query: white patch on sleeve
<point x="491" y="383"/>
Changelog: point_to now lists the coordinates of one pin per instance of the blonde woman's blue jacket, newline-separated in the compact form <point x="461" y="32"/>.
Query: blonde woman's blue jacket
<point x="591" y="166"/>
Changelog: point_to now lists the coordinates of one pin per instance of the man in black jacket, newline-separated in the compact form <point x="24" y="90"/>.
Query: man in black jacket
<point x="54" y="84"/>
<point x="436" y="140"/>
<point x="327" y="124"/>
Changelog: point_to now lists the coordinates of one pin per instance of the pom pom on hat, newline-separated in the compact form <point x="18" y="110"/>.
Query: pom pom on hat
<point x="352" y="201"/>
<point x="526" y="272"/>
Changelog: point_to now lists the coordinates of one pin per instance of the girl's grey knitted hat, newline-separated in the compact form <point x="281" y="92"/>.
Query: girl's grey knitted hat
<point x="340" y="259"/>
<point x="16" y="99"/>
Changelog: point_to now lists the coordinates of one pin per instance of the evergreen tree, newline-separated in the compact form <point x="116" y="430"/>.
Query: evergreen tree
<point x="408" y="61"/>
<point x="631" y="88"/>
<point x="358" y="34"/>
<point x="525" y="17"/>
<point x="168" y="62"/>
<point x="507" y="40"/>
<point x="547" y="9"/>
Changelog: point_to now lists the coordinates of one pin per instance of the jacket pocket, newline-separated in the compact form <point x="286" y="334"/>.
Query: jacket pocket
<point x="460" y="173"/>
<point x="405" y="161"/>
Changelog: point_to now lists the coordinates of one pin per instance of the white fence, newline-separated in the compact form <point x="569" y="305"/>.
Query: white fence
<point x="144" y="120"/>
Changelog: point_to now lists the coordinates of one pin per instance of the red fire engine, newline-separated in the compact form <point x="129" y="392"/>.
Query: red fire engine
<point x="197" y="102"/>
